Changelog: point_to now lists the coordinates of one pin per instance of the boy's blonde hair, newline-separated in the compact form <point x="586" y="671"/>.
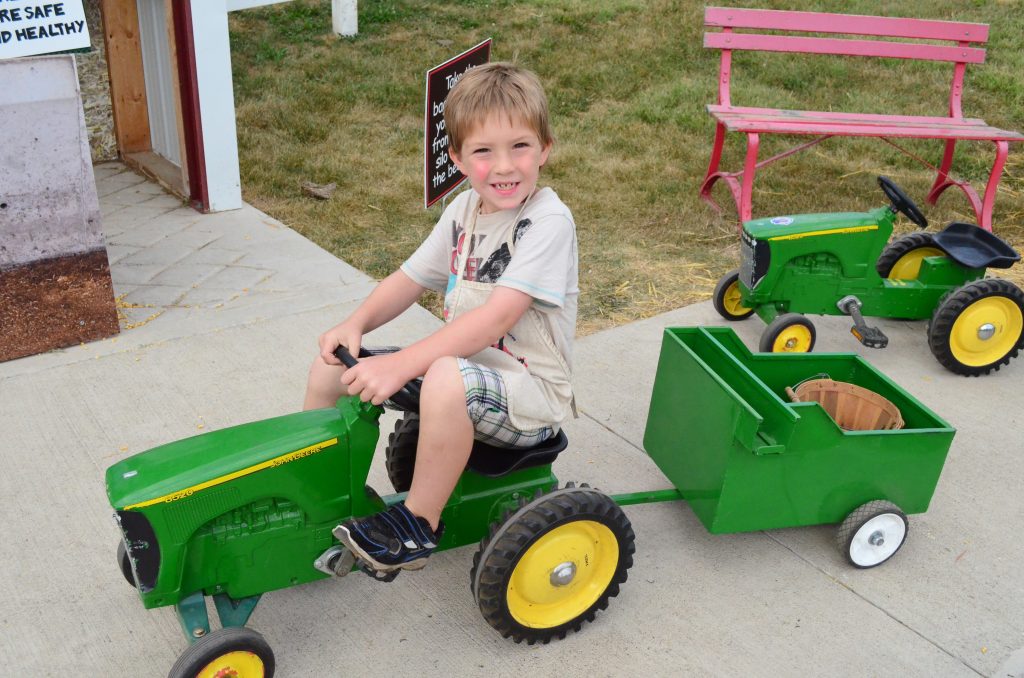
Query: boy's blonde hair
<point x="502" y="88"/>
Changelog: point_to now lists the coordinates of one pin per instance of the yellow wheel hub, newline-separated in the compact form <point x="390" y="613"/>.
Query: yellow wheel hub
<point x="565" y="572"/>
<point x="986" y="331"/>
<point x="908" y="267"/>
<point x="238" y="664"/>
<point x="731" y="300"/>
<point x="793" y="339"/>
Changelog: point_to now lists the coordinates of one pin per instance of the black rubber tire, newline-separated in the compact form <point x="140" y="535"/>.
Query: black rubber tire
<point x="853" y="522"/>
<point x="400" y="454"/>
<point x="722" y="289"/>
<point x="125" y="563"/>
<point x="219" y="643"/>
<point x="510" y="538"/>
<point x="940" y="328"/>
<point x="899" y="248"/>
<point x="781" y="323"/>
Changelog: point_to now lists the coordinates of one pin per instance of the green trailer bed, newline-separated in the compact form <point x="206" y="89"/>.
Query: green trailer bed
<point x="721" y="428"/>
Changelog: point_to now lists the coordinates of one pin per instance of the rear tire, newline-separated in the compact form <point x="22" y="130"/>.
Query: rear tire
<point x="552" y="564"/>
<point x="727" y="299"/>
<point x="979" y="327"/>
<point x="788" y="333"/>
<point x="400" y="455"/>
<point x="901" y="258"/>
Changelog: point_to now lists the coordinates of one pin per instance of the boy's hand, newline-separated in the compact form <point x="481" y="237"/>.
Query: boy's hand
<point x="340" y="335"/>
<point x="376" y="378"/>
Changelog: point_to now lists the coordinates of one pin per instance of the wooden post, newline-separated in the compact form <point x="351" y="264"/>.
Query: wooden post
<point x="127" y="81"/>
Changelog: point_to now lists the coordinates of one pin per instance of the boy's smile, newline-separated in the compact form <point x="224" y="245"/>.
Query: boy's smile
<point x="502" y="159"/>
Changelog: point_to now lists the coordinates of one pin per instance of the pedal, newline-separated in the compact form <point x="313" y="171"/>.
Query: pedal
<point x="379" y="575"/>
<point x="336" y="561"/>
<point x="872" y="337"/>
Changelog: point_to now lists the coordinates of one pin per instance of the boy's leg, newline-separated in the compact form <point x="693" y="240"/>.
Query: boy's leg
<point x="323" y="386"/>
<point x="445" y="440"/>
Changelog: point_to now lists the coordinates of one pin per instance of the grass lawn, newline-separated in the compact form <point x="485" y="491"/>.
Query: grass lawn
<point x="627" y="82"/>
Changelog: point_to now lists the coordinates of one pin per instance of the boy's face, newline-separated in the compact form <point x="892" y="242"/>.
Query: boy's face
<point x="502" y="159"/>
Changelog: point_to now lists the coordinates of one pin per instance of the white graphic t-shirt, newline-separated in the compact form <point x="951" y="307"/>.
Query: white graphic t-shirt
<point x="540" y="260"/>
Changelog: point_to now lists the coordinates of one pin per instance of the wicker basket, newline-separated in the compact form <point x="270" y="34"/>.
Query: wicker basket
<point x="852" y="407"/>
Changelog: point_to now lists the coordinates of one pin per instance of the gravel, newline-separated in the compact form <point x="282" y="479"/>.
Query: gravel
<point x="94" y="82"/>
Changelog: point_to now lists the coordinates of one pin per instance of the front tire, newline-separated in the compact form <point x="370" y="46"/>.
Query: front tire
<point x="901" y="259"/>
<point x="872" y="534"/>
<point x="727" y="298"/>
<point x="979" y="327"/>
<point x="125" y="562"/>
<point x="788" y="333"/>
<point x="552" y="564"/>
<point x="235" y="651"/>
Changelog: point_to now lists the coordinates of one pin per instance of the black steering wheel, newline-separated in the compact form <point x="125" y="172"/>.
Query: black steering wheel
<point x="902" y="203"/>
<point x="407" y="397"/>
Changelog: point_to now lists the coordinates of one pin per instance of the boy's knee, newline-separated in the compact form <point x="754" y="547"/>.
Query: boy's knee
<point x="443" y="379"/>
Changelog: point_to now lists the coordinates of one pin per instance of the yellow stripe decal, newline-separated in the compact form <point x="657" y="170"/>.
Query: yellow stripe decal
<point x="834" y="231"/>
<point x="276" y="461"/>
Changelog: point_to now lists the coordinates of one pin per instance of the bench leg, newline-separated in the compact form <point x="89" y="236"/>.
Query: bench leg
<point x="713" y="174"/>
<point x="985" y="217"/>
<point x="942" y="181"/>
<point x="749" y="169"/>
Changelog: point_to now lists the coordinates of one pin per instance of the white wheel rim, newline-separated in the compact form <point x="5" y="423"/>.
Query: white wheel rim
<point x="877" y="540"/>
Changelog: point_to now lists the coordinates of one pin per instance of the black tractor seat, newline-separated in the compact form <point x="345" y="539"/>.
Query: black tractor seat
<point x="974" y="247"/>
<point x="497" y="461"/>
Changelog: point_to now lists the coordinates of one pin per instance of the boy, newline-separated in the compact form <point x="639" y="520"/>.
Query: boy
<point x="498" y="370"/>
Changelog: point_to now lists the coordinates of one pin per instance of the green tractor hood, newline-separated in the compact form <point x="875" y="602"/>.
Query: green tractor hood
<point x="806" y="225"/>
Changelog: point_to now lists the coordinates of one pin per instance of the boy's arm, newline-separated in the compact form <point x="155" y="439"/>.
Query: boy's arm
<point x="377" y="378"/>
<point x="388" y="299"/>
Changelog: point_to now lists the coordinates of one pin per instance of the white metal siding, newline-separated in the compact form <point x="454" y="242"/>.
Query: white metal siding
<point x="156" y="63"/>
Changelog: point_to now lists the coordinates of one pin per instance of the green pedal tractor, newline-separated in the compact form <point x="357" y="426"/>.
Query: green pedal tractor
<point x="832" y="264"/>
<point x="232" y="514"/>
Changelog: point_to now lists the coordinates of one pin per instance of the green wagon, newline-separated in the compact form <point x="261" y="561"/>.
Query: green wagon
<point x="745" y="458"/>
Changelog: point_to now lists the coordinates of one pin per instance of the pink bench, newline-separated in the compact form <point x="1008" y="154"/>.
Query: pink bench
<point x="822" y="125"/>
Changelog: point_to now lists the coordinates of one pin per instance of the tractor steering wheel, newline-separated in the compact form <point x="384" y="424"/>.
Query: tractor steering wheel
<point x="902" y="203"/>
<point x="407" y="397"/>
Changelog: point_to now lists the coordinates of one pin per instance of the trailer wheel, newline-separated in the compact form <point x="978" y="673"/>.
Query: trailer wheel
<point x="727" y="299"/>
<point x="901" y="259"/>
<point x="549" y="566"/>
<point x="788" y="333"/>
<point x="124" y="561"/>
<point x="872" y="534"/>
<point x="400" y="455"/>
<point x="234" y="651"/>
<point x="979" y="327"/>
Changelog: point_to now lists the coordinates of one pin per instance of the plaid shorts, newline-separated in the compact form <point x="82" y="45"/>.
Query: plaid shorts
<point x="487" y="405"/>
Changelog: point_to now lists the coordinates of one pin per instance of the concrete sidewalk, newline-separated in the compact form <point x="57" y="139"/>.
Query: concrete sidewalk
<point x="220" y="318"/>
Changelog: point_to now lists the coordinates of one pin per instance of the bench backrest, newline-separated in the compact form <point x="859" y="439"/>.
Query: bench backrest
<point x="728" y="18"/>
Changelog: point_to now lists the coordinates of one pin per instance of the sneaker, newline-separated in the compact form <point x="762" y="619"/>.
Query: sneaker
<point x="390" y="540"/>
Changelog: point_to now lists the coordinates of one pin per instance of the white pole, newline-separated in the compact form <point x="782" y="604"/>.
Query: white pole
<point x="345" y="17"/>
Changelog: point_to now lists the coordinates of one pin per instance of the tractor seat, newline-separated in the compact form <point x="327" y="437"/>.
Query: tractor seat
<point x="974" y="247"/>
<point x="497" y="461"/>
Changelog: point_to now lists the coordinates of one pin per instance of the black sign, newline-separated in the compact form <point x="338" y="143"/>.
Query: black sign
<point x="440" y="174"/>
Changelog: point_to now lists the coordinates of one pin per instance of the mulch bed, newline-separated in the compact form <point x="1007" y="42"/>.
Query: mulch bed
<point x="55" y="303"/>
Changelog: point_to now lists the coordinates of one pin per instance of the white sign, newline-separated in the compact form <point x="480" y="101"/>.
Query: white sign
<point x="29" y="27"/>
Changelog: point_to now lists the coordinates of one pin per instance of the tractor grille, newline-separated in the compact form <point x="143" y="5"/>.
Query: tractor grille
<point x="143" y="549"/>
<point x="755" y="256"/>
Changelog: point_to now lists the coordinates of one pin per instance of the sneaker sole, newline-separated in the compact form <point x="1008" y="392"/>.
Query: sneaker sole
<point x="343" y="535"/>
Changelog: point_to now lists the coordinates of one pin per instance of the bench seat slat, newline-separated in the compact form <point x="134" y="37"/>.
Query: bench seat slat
<point x="843" y="46"/>
<point x="738" y="119"/>
<point x="849" y="24"/>
<point x="840" y="116"/>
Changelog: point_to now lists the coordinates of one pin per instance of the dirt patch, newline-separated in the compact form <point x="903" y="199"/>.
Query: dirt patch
<point x="55" y="303"/>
